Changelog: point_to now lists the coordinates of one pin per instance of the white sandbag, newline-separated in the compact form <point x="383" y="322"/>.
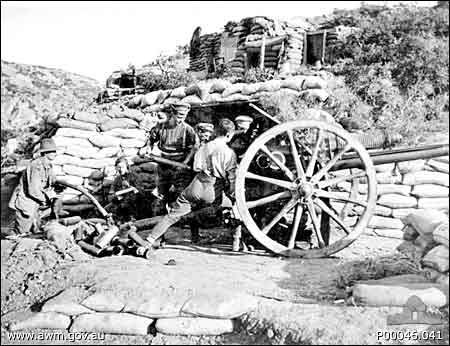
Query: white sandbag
<point x="115" y="111"/>
<point x="106" y="153"/>
<point x="192" y="100"/>
<point x="410" y="166"/>
<point x="294" y="83"/>
<point x="162" y="304"/>
<point x="249" y="89"/>
<point x="66" y="159"/>
<point x="379" y="210"/>
<point x="214" y="97"/>
<point x="133" y="114"/>
<point x="400" y="213"/>
<point x="171" y="100"/>
<point x="440" y="234"/>
<point x="388" y="295"/>
<point x="388" y="232"/>
<point x="132" y="143"/>
<point x="426" y="177"/>
<point x="179" y="92"/>
<point x="57" y="169"/>
<point x="233" y="89"/>
<point x="76" y="133"/>
<point x="129" y="153"/>
<point x="222" y="305"/>
<point x="439" y="166"/>
<point x="429" y="190"/>
<point x="103" y="302"/>
<point x="127" y="133"/>
<point x="219" y="86"/>
<point x="150" y="98"/>
<point x="89" y="117"/>
<point x="388" y="178"/>
<point x="78" y="171"/>
<point x="440" y="203"/>
<point x="123" y="123"/>
<point x="42" y="320"/>
<point x="69" y="141"/>
<point x="270" y="86"/>
<point x="194" y="326"/>
<point x="409" y="233"/>
<point x="425" y="221"/>
<point x="319" y="95"/>
<point x="97" y="163"/>
<point x="104" y="141"/>
<point x="383" y="189"/>
<point x="70" y="179"/>
<point x="81" y="152"/>
<point x="314" y="82"/>
<point x="135" y="101"/>
<point x="393" y="200"/>
<point x="377" y="221"/>
<point x="387" y="167"/>
<point x="235" y="97"/>
<point x="437" y="258"/>
<point x="75" y="124"/>
<point x="67" y="302"/>
<point x="111" y="323"/>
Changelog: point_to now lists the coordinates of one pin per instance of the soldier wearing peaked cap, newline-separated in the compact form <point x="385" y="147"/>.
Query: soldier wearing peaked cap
<point x="204" y="132"/>
<point x="34" y="190"/>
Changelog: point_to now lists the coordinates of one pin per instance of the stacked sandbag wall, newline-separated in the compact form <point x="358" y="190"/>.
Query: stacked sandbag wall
<point x="173" y="312"/>
<point x="88" y="144"/>
<point x="403" y="188"/>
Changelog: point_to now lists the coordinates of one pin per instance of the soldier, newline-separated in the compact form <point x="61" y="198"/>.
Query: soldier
<point x="177" y="141"/>
<point x="241" y="140"/>
<point x="35" y="190"/>
<point x="204" y="132"/>
<point x="215" y="164"/>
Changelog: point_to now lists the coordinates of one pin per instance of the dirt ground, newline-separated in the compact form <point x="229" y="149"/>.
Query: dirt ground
<point x="287" y="287"/>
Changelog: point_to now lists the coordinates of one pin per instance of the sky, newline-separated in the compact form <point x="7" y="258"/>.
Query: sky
<point x="95" y="38"/>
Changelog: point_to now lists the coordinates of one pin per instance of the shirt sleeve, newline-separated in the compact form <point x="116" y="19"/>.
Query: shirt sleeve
<point x="192" y="139"/>
<point x="230" y="169"/>
<point x="35" y="176"/>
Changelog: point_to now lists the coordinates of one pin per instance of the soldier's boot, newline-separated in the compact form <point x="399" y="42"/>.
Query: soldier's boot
<point x="195" y="233"/>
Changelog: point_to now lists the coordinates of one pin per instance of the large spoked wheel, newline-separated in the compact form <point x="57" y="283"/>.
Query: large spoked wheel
<point x="289" y="192"/>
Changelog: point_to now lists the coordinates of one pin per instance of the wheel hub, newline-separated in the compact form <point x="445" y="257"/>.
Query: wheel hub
<point x="305" y="189"/>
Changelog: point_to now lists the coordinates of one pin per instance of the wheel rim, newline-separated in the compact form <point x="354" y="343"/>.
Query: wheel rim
<point x="304" y="188"/>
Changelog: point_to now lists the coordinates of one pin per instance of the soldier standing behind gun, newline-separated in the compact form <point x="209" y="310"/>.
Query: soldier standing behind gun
<point x="215" y="164"/>
<point x="177" y="141"/>
<point x="34" y="190"/>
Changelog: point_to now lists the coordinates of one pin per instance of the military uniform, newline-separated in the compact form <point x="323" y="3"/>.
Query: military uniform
<point x="131" y="204"/>
<point x="33" y="192"/>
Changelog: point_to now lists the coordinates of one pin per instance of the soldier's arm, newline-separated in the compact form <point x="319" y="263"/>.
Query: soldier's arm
<point x="231" y="167"/>
<point x="35" y="177"/>
<point x="193" y="142"/>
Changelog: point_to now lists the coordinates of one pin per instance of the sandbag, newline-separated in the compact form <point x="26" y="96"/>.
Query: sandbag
<point x="425" y="221"/>
<point x="219" y="86"/>
<point x="76" y="133"/>
<point x="437" y="258"/>
<point x="396" y="280"/>
<point x="95" y="118"/>
<point x="163" y="94"/>
<point x="222" y="305"/>
<point x="127" y="133"/>
<point x="115" y="111"/>
<point x="66" y="159"/>
<point x="103" y="302"/>
<point x="425" y="242"/>
<point x="133" y="114"/>
<point x="379" y="210"/>
<point x="81" y="152"/>
<point x="314" y="82"/>
<point x="409" y="233"/>
<point x="106" y="153"/>
<point x="78" y="171"/>
<point x="97" y="164"/>
<point x="57" y="169"/>
<point x="42" y="320"/>
<point x="249" y="89"/>
<point x="377" y="221"/>
<point x="111" y="323"/>
<point x="411" y="166"/>
<point x="194" y="326"/>
<point x="149" y="99"/>
<point x="426" y="177"/>
<point x="160" y="305"/>
<point x="77" y="208"/>
<point x="123" y="123"/>
<point x="383" y="189"/>
<point x="235" y="97"/>
<point x="104" y="141"/>
<point x="439" y="166"/>
<point x="394" y="200"/>
<point x="430" y="190"/>
<point x="69" y="141"/>
<point x="76" y="124"/>
<point x="215" y="97"/>
<point x="384" y="178"/>
<point x="70" y="179"/>
<point x="388" y="295"/>
<point x="440" y="234"/>
<point x="386" y="167"/>
<point x="135" y="101"/>
<point x="319" y="95"/>
<point x="270" y="86"/>
<point x="179" y="92"/>
<point x="132" y="143"/>
<point x="402" y="212"/>
<point x="192" y="100"/>
<point x="233" y="89"/>
<point x="440" y="203"/>
<point x="67" y="302"/>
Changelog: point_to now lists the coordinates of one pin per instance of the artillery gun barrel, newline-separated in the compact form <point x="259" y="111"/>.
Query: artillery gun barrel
<point x="161" y="160"/>
<point x="396" y="155"/>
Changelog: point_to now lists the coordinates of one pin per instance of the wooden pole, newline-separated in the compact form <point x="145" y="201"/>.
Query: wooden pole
<point x="263" y="51"/>
<point x="324" y="43"/>
<point x="305" y="48"/>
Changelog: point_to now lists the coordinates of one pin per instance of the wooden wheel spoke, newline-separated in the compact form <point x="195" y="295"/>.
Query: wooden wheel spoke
<point x="333" y="196"/>
<point x="297" y="219"/>
<point x="268" y="199"/>
<point x="280" y="164"/>
<point x="330" y="163"/>
<point x="334" y="181"/>
<point x="316" y="223"/>
<point x="332" y="214"/>
<point x="315" y="153"/>
<point x="282" y="183"/>
<point x="291" y="204"/>
<point x="294" y="151"/>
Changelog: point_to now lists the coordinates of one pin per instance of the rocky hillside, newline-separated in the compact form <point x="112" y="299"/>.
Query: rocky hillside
<point x="31" y="93"/>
